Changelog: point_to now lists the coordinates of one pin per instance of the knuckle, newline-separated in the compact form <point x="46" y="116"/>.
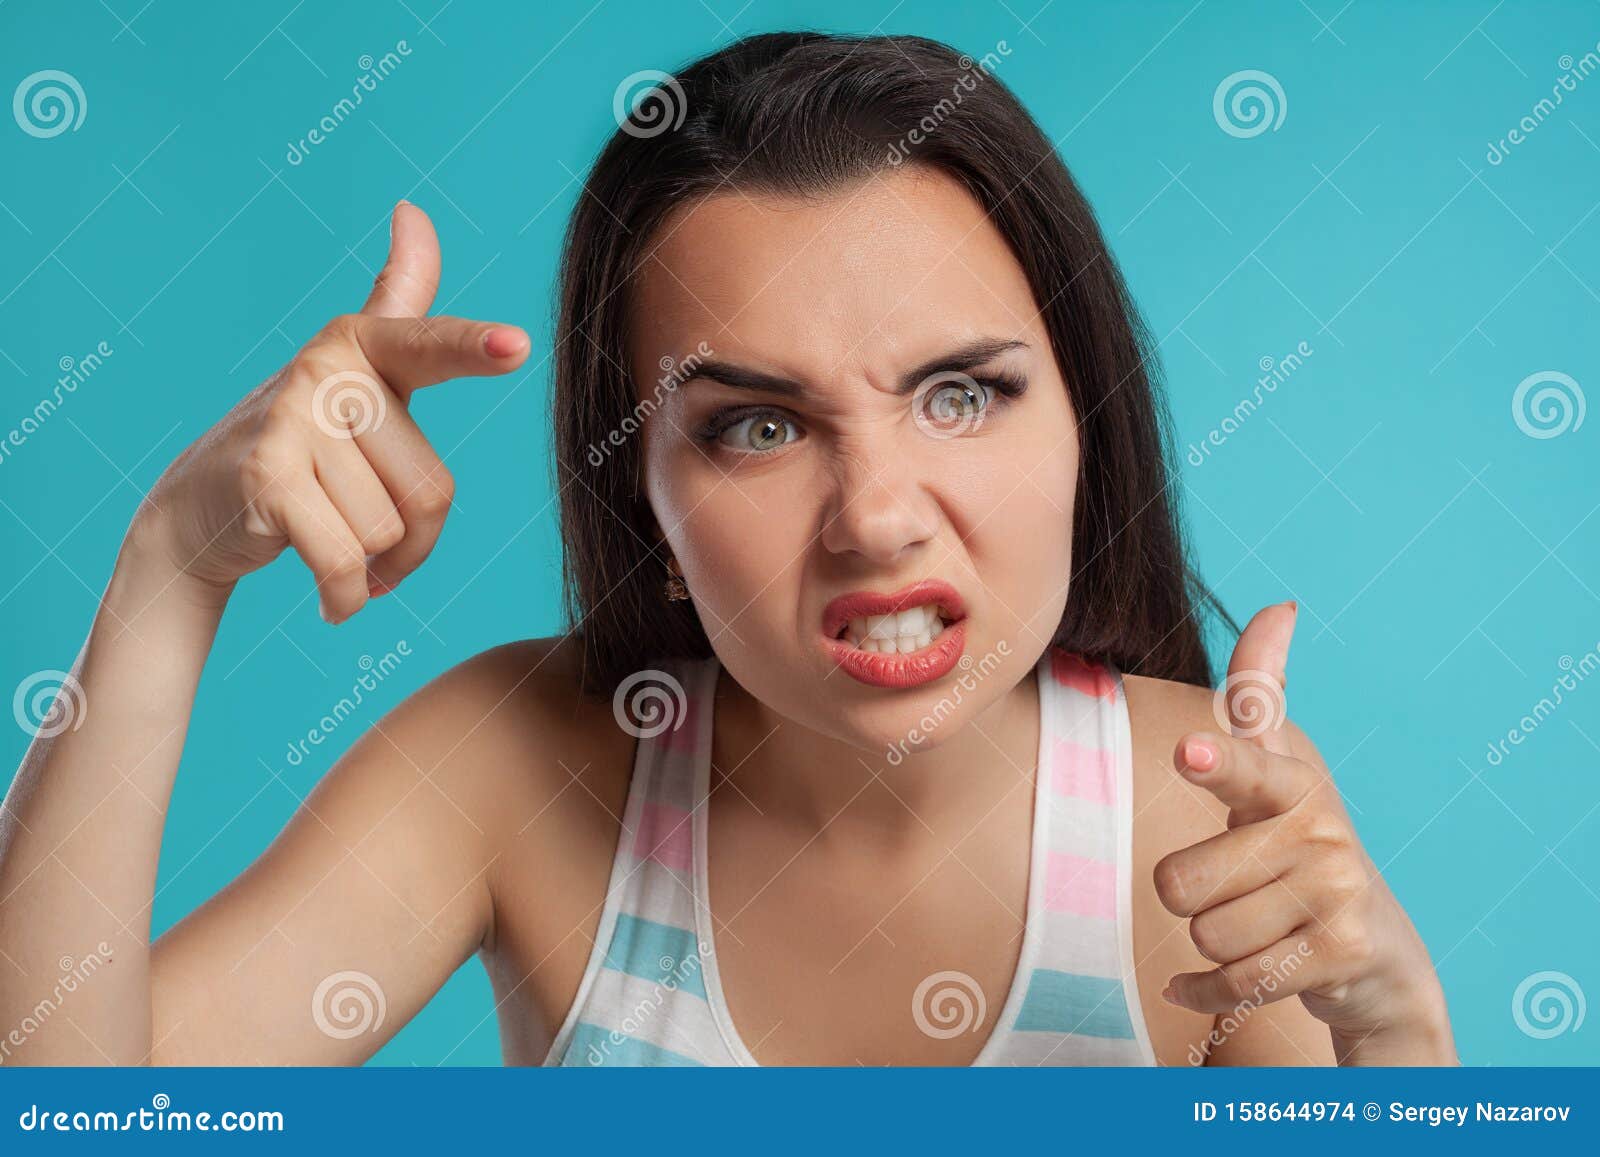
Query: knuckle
<point x="469" y="340"/>
<point x="1352" y="942"/>
<point x="432" y="498"/>
<point x="391" y="279"/>
<point x="388" y="532"/>
<point x="290" y="409"/>
<point x="1343" y="884"/>
<point x="340" y="328"/>
<point x="261" y="467"/>
<point x="1238" y="983"/>
<point x="1207" y="937"/>
<point x="1176" y="883"/>
<point x="347" y="566"/>
<point x="1322" y="829"/>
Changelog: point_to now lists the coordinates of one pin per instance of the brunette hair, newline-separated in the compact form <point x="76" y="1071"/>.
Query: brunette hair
<point x="803" y="113"/>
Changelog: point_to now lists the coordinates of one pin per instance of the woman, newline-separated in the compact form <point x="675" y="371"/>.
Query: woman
<point x="883" y="733"/>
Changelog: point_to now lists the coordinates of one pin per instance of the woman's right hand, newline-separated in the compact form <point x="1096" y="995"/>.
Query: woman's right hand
<point x="323" y="456"/>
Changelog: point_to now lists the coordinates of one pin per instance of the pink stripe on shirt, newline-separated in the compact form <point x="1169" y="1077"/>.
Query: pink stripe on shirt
<point x="684" y="735"/>
<point x="1084" y="887"/>
<point x="664" y="836"/>
<point x="1090" y="678"/>
<point x="1083" y="772"/>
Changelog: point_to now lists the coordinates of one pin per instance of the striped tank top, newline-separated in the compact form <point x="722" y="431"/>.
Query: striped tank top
<point x="650" y="994"/>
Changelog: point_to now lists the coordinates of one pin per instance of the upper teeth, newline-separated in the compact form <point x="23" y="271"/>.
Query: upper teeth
<point x="902" y="632"/>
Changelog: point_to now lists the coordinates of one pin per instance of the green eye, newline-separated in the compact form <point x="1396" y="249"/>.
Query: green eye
<point x="956" y="403"/>
<point x="755" y="433"/>
<point x="950" y="403"/>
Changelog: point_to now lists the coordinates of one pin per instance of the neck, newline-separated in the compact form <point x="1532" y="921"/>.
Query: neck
<point x="805" y="779"/>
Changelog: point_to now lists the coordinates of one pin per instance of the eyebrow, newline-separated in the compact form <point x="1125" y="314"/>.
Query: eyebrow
<point x="959" y="360"/>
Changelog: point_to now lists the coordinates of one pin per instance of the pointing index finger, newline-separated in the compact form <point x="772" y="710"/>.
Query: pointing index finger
<point x="1254" y="783"/>
<point x="410" y="353"/>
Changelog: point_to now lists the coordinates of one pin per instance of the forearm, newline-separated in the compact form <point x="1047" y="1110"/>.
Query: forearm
<point x="80" y="833"/>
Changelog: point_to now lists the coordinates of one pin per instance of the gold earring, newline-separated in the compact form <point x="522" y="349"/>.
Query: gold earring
<point x="675" y="587"/>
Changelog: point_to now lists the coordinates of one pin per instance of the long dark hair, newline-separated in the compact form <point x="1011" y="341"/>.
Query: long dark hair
<point x="800" y="113"/>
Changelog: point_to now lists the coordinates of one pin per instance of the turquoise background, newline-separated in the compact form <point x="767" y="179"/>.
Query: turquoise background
<point x="1445" y="562"/>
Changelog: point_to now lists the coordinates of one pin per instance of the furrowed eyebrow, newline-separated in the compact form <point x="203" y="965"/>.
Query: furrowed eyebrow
<point x="958" y="360"/>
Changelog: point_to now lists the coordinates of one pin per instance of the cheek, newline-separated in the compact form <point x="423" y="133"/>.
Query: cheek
<point x="1023" y="545"/>
<point x="739" y="544"/>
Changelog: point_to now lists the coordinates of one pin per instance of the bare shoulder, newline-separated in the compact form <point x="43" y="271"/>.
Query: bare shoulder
<point x="510" y="739"/>
<point x="520" y="711"/>
<point x="480" y="809"/>
<point x="522" y="703"/>
<point x="554" y="768"/>
<point x="1161" y="712"/>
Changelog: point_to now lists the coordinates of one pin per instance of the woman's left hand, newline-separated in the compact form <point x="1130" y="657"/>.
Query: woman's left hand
<point x="1286" y="901"/>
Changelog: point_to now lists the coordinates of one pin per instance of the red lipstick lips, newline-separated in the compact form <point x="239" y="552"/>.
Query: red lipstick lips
<point x="880" y="669"/>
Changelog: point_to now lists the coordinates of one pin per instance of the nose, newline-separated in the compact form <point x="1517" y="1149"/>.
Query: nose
<point x="879" y="509"/>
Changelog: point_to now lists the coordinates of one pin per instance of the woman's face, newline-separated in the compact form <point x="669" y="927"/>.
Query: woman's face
<point x="847" y="428"/>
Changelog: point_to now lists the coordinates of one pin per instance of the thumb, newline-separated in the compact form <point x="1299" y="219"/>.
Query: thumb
<point x="409" y="279"/>
<point x="1252" y="703"/>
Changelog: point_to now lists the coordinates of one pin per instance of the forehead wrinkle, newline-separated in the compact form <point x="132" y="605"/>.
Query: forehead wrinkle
<point x="855" y="294"/>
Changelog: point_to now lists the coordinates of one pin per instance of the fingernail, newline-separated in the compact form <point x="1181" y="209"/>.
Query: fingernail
<point x="1199" y="756"/>
<point x="376" y="586"/>
<point x="1293" y="605"/>
<point x="322" y="609"/>
<point x="1170" y="995"/>
<point x="502" y="342"/>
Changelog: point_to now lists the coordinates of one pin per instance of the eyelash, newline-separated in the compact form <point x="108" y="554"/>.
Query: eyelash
<point x="1006" y="385"/>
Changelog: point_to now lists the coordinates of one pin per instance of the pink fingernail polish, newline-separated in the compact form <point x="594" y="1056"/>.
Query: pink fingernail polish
<point x="1169" y="995"/>
<point x="502" y="343"/>
<point x="1199" y="756"/>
